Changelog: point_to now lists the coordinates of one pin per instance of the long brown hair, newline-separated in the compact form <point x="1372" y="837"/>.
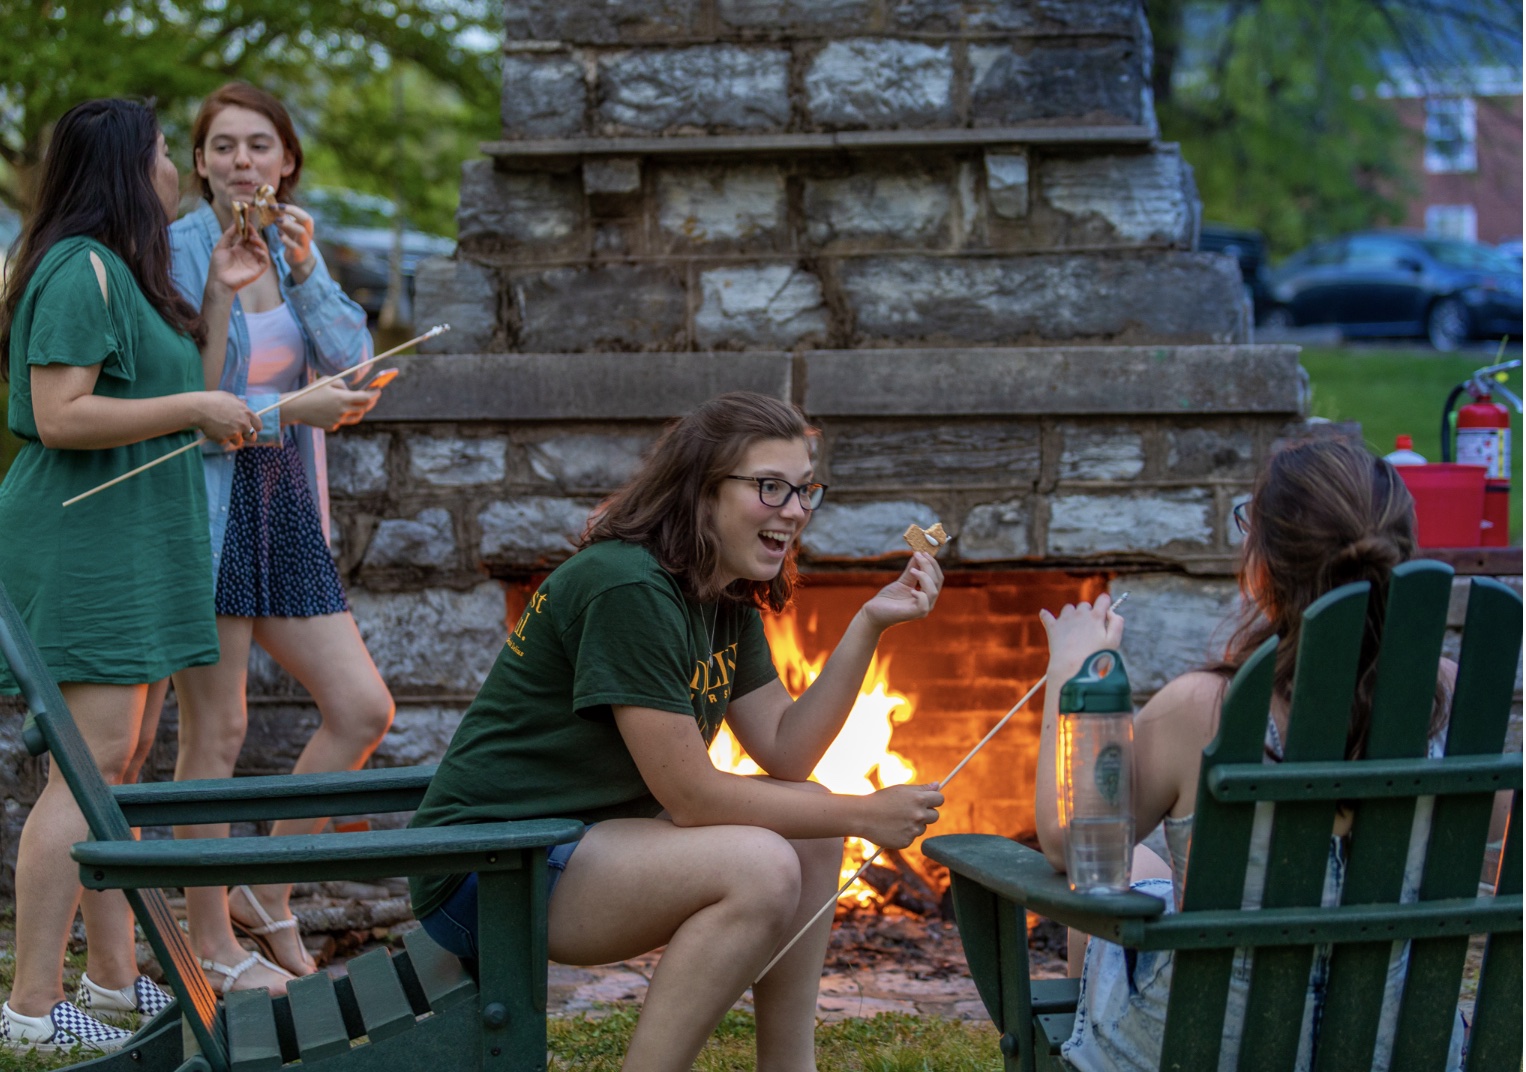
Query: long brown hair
<point x="98" y="181"/>
<point x="666" y="506"/>
<point x="243" y="95"/>
<point x="1324" y="513"/>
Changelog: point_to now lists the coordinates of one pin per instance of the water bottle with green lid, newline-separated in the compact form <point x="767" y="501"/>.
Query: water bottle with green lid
<point x="1094" y="761"/>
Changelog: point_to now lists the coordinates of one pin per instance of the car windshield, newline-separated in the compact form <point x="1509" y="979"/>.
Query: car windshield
<point x="1455" y="254"/>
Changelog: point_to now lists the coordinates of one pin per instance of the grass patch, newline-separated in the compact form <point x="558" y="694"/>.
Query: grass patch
<point x="1393" y="392"/>
<point x="890" y="1042"/>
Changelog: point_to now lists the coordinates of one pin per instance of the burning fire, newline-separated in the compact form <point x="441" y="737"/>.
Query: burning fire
<point x="860" y="759"/>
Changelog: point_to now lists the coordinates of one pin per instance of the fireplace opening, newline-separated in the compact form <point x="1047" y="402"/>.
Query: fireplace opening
<point x="935" y="688"/>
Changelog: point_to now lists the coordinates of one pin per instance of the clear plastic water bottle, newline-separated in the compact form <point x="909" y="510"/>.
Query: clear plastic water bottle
<point x="1095" y="770"/>
<point x="1404" y="452"/>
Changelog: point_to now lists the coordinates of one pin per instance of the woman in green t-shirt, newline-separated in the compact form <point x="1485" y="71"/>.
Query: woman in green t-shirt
<point x="658" y="616"/>
<point x="102" y="357"/>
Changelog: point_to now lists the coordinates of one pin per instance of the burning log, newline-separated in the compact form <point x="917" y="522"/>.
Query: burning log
<point x="901" y="885"/>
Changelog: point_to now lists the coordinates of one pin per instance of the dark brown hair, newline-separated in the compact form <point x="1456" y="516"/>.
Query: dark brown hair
<point x="98" y="181"/>
<point x="666" y="506"/>
<point x="1325" y="512"/>
<point x="243" y="95"/>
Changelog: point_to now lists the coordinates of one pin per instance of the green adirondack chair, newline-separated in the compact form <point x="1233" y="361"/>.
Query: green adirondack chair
<point x="421" y="1008"/>
<point x="996" y="880"/>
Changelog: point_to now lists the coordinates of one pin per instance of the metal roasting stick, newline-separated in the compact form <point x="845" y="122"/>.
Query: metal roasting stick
<point x="950" y="777"/>
<point x="438" y="329"/>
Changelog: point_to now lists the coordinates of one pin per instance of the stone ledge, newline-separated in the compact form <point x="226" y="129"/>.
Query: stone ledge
<point x="541" y="152"/>
<point x="1046" y="381"/>
<point x="596" y="386"/>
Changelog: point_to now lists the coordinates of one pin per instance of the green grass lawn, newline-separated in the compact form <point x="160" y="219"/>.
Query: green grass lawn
<point x="1393" y="392"/>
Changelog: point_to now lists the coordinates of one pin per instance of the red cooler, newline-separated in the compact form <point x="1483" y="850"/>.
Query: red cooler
<point x="1449" y="502"/>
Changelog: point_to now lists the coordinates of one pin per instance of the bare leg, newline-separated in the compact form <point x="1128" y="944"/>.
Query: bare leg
<point x="47" y="880"/>
<point x="213" y="720"/>
<point x="720" y="897"/>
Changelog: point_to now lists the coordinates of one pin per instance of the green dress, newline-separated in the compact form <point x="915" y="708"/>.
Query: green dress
<point x="116" y="589"/>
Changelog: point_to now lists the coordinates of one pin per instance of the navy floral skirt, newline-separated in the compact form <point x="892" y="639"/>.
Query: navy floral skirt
<point x="275" y="561"/>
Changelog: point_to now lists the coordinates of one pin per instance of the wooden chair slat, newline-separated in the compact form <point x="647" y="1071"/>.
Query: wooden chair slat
<point x="1196" y="1009"/>
<point x="512" y="973"/>
<point x="316" y="1017"/>
<point x="384" y="1007"/>
<point x="1496" y="1038"/>
<point x="441" y="976"/>
<point x="975" y="912"/>
<point x="251" y="1028"/>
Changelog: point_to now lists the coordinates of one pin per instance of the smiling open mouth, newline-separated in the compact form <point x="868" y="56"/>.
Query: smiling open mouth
<point x="774" y="541"/>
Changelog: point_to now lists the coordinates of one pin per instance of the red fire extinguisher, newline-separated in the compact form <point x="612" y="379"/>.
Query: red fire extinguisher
<point x="1483" y="438"/>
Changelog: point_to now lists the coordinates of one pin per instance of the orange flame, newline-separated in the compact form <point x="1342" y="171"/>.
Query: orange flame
<point x="860" y="760"/>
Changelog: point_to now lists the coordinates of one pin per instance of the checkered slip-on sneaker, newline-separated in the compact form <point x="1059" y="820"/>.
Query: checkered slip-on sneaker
<point x="62" y="1029"/>
<point x="143" y="997"/>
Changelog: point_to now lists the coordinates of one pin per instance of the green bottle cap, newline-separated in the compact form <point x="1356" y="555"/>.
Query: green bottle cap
<point x="1101" y="687"/>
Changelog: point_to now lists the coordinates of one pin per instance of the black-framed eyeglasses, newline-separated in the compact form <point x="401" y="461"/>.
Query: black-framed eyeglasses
<point x="1241" y="515"/>
<point x="775" y="491"/>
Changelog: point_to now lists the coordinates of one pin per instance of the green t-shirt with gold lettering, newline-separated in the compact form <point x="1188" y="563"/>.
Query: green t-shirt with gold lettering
<point x="609" y="626"/>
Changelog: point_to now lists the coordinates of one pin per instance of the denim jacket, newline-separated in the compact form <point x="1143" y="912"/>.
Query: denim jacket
<point x="333" y="330"/>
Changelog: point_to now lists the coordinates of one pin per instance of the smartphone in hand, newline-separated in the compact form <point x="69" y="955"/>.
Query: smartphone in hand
<point x="375" y="379"/>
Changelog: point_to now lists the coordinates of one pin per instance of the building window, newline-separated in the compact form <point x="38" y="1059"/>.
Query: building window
<point x="1451" y="135"/>
<point x="1452" y="221"/>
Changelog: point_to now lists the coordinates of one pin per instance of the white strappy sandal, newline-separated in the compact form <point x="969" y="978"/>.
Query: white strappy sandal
<point x="260" y="935"/>
<point x="231" y="973"/>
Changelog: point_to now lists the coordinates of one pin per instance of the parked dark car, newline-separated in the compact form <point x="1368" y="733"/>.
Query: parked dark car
<point x="1249" y="249"/>
<point x="354" y="231"/>
<point x="1392" y="283"/>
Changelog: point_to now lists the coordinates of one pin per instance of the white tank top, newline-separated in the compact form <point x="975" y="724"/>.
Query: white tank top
<point x="277" y="355"/>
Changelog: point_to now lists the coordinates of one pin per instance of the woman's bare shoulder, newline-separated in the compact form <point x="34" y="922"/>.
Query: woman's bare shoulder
<point x="1195" y="695"/>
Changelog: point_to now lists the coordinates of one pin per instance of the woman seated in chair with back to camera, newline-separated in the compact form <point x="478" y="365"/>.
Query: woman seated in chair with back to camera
<point x="1324" y="513"/>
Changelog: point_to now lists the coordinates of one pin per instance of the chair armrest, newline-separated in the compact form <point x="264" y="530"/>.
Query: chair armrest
<point x="277" y="796"/>
<point x="363" y="856"/>
<point x="1024" y="877"/>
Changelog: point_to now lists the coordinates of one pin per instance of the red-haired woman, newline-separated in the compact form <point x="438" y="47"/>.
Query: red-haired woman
<point x="276" y="582"/>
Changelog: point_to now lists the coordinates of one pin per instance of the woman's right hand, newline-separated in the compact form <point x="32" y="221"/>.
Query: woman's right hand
<point x="1079" y="631"/>
<point x="330" y="407"/>
<point x="226" y="418"/>
<point x="901" y="813"/>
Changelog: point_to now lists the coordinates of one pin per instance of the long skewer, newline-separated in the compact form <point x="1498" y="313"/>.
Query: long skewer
<point x="438" y="329"/>
<point x="941" y="785"/>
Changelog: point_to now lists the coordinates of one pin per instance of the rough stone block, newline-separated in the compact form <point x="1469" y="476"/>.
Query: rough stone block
<point x="357" y="462"/>
<point x="758" y="308"/>
<point x="614" y="308"/>
<point x="1179" y="297"/>
<point x="454" y="462"/>
<point x="962" y="452"/>
<point x="418" y="735"/>
<point x="879" y="82"/>
<point x="883" y="206"/>
<point x="533" y="530"/>
<point x="1100" y="453"/>
<point x="1009" y="16"/>
<point x="602" y="23"/>
<point x="1093" y="83"/>
<point x="743" y="207"/>
<point x="1007" y="184"/>
<point x="796" y="16"/>
<point x="1140" y="197"/>
<point x="1226" y="453"/>
<point x="705" y="87"/>
<point x="427" y="539"/>
<point x="536" y="208"/>
<point x="461" y="294"/>
<point x="1175" y="624"/>
<point x="863" y="530"/>
<point x="434" y="639"/>
<point x="544" y="96"/>
<point x="1141" y="521"/>
<point x="612" y="176"/>
<point x="997" y="530"/>
<point x="588" y="462"/>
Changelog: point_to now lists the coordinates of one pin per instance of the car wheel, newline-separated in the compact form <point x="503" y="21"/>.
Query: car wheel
<point x="1447" y="324"/>
<point x="1279" y="317"/>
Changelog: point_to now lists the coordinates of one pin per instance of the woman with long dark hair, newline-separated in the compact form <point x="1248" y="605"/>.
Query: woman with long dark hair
<point x="1324" y="513"/>
<point x="101" y="354"/>
<point x="602" y="704"/>
<point x="275" y="580"/>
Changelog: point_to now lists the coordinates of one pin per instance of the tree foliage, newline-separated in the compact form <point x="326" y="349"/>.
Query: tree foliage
<point x="56" y="53"/>
<point x="1277" y="103"/>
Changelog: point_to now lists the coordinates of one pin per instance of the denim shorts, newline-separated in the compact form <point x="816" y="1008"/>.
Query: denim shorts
<point x="453" y="925"/>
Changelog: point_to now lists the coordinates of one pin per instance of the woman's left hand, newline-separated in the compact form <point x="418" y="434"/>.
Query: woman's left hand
<point x="236" y="261"/>
<point x="1078" y="631"/>
<point x="296" y="230"/>
<point x="909" y="597"/>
